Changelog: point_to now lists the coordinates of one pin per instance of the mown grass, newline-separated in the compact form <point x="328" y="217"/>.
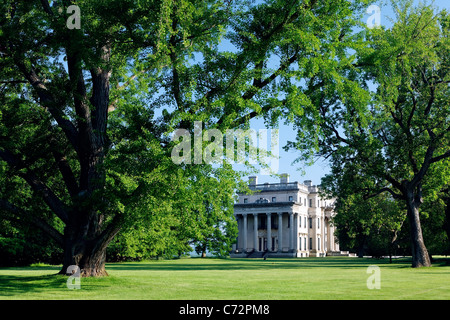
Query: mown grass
<point x="210" y="279"/>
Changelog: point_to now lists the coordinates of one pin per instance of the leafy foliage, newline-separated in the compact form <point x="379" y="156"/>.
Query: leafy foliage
<point x="383" y="119"/>
<point x="86" y="114"/>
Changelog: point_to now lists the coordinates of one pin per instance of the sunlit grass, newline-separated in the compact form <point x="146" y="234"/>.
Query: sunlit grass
<point x="294" y="279"/>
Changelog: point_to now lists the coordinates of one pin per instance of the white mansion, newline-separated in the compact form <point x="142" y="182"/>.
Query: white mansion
<point x="286" y="219"/>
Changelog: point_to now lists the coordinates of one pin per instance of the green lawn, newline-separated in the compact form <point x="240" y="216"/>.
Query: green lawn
<point x="294" y="279"/>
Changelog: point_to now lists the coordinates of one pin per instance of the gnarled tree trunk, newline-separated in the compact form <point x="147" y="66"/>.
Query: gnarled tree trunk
<point x="447" y="214"/>
<point x="85" y="239"/>
<point x="85" y="243"/>
<point x="87" y="257"/>
<point x="420" y="257"/>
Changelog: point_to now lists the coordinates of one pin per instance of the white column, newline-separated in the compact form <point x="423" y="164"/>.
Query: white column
<point x="291" y="231"/>
<point x="255" y="231"/>
<point x="245" y="232"/>
<point x="322" y="230"/>
<point x="280" y="231"/>
<point x="313" y="233"/>
<point x="236" y="245"/>
<point x="296" y="221"/>
<point x="269" y="232"/>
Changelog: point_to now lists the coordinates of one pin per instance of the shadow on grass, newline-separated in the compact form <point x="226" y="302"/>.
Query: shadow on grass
<point x="12" y="285"/>
<point x="20" y="281"/>
<point x="17" y="285"/>
<point x="199" y="264"/>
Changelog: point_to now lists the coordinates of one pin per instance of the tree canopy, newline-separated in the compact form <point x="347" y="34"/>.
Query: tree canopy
<point x="87" y="107"/>
<point x="383" y="119"/>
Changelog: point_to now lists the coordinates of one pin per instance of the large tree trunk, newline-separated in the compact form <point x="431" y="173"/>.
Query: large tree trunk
<point x="91" y="261"/>
<point x="361" y="247"/>
<point x="420" y="257"/>
<point x="85" y="241"/>
<point x="447" y="214"/>
<point x="85" y="245"/>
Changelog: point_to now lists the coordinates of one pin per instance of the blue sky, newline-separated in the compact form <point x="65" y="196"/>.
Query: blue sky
<point x="320" y="168"/>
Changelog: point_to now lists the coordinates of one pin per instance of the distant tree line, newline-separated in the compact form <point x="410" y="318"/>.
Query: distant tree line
<point x="377" y="226"/>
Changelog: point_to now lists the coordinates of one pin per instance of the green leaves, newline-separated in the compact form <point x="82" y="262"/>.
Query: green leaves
<point x="378" y="119"/>
<point x="142" y="69"/>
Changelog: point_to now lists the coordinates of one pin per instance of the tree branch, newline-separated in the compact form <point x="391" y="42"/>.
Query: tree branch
<point x="66" y="172"/>
<point x="385" y="189"/>
<point x="176" y="90"/>
<point x="16" y="213"/>
<point x="13" y="81"/>
<point x="424" y="168"/>
<point x="46" y="7"/>
<point x="258" y="85"/>
<point x="100" y="92"/>
<point x="54" y="203"/>
<point x="440" y="157"/>
<point x="49" y="102"/>
<point x="110" y="231"/>
<point x="392" y="181"/>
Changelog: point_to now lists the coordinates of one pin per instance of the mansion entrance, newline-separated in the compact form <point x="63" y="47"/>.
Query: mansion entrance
<point x="262" y="244"/>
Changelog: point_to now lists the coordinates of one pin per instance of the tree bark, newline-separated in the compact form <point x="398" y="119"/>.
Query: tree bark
<point x="361" y="247"/>
<point x="90" y="262"/>
<point x="81" y="247"/>
<point x="447" y="215"/>
<point x="420" y="257"/>
<point x="87" y="250"/>
<point x="85" y="239"/>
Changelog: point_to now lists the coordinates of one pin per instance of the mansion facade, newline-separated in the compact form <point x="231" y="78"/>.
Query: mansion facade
<point x="285" y="219"/>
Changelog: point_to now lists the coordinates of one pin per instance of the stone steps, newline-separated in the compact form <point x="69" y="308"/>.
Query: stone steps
<point x="257" y="254"/>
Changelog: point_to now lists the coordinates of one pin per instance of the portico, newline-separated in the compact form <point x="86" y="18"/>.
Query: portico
<point x="266" y="231"/>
